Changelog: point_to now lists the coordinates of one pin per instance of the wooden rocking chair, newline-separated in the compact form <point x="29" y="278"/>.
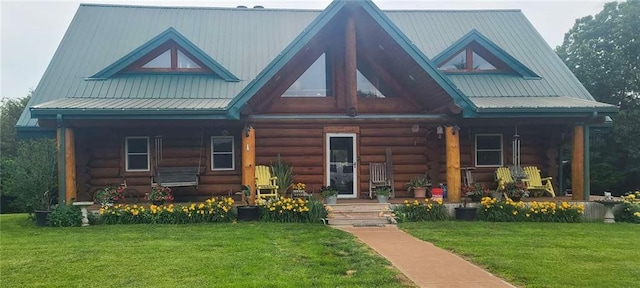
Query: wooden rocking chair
<point x="377" y="177"/>
<point x="535" y="182"/>
<point x="503" y="176"/>
<point x="265" y="182"/>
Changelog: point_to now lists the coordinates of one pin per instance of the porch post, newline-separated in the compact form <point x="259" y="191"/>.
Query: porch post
<point x="452" y="139"/>
<point x="70" y="166"/>
<point x="586" y="171"/>
<point x="248" y="161"/>
<point x="577" y="164"/>
<point x="61" y="147"/>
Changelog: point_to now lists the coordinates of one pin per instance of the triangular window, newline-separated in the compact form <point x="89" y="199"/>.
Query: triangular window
<point x="312" y="83"/>
<point x="169" y="57"/>
<point x="473" y="58"/>
<point x="367" y="89"/>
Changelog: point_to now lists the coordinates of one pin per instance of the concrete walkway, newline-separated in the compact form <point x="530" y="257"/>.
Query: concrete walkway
<point x="422" y="262"/>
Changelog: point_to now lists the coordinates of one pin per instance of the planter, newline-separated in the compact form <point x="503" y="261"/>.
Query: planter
<point x="248" y="213"/>
<point x="331" y="199"/>
<point x="420" y="192"/>
<point x="383" y="198"/>
<point x="466" y="213"/>
<point x="158" y="202"/>
<point x="475" y="198"/>
<point x="496" y="195"/>
<point x="515" y="199"/>
<point x="42" y="218"/>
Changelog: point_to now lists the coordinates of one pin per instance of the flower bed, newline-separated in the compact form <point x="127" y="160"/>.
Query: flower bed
<point x="630" y="210"/>
<point x="292" y="210"/>
<point x="425" y="210"/>
<point x="217" y="209"/>
<point x="508" y="210"/>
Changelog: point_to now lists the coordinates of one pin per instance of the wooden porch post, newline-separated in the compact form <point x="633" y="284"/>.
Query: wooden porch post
<point x="70" y="166"/>
<point x="351" y="66"/>
<point x="249" y="161"/>
<point x="452" y="139"/>
<point x="62" y="178"/>
<point x="577" y="164"/>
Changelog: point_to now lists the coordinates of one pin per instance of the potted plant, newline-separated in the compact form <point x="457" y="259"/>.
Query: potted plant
<point x="382" y="193"/>
<point x="299" y="190"/>
<point x="248" y="212"/>
<point x="42" y="206"/>
<point x="159" y="195"/>
<point x="419" y="185"/>
<point x="107" y="196"/>
<point x="330" y="194"/>
<point x="283" y="173"/>
<point x="466" y="213"/>
<point x="516" y="190"/>
<point x="475" y="191"/>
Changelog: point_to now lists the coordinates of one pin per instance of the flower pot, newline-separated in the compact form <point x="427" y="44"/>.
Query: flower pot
<point x="158" y="202"/>
<point x="383" y="198"/>
<point x="466" y="213"/>
<point x="496" y="195"/>
<point x="475" y="197"/>
<point x="420" y="192"/>
<point x="42" y="218"/>
<point x="331" y="199"/>
<point x="248" y="213"/>
<point x="515" y="199"/>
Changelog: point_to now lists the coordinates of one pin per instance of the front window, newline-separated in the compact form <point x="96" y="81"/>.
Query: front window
<point x="222" y="153"/>
<point x="489" y="150"/>
<point x="137" y="153"/>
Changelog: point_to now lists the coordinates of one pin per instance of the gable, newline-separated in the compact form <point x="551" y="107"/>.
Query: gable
<point x="166" y="46"/>
<point x="477" y="47"/>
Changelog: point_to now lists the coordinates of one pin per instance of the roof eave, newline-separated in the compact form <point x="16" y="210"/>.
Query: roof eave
<point x="510" y="112"/>
<point x="41" y="113"/>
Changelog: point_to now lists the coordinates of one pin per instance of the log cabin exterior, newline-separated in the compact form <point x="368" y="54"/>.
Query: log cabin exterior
<point x="134" y="88"/>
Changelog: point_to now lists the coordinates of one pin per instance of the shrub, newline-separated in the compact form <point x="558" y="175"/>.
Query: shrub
<point x="292" y="210"/>
<point x="426" y="210"/>
<point x="65" y="216"/>
<point x="217" y="209"/>
<point x="630" y="210"/>
<point x="507" y="210"/>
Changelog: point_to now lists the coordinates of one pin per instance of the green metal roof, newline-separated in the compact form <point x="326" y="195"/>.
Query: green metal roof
<point x="245" y="42"/>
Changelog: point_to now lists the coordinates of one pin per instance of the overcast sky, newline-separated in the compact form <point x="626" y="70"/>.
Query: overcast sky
<point x="31" y="30"/>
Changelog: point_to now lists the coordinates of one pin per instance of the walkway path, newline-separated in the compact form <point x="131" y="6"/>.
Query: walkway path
<point x="422" y="262"/>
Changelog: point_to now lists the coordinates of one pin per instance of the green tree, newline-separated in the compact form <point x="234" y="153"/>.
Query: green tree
<point x="603" y="51"/>
<point x="10" y="111"/>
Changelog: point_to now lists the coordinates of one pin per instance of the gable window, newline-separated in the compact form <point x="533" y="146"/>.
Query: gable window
<point x="169" y="57"/>
<point x="313" y="82"/>
<point x="488" y="150"/>
<point x="473" y="58"/>
<point x="137" y="153"/>
<point x="222" y="153"/>
<point x="368" y="89"/>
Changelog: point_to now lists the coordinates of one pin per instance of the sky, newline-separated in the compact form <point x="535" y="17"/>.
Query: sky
<point x="30" y="31"/>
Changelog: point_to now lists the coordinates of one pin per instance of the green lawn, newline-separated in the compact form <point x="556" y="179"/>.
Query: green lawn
<point x="543" y="254"/>
<point x="204" y="255"/>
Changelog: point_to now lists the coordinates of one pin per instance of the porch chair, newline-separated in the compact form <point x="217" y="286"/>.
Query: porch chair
<point x="265" y="182"/>
<point x="377" y="177"/>
<point x="503" y="176"/>
<point x="535" y="182"/>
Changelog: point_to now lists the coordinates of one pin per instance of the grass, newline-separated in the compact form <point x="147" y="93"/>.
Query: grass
<point x="543" y="254"/>
<point x="198" y="255"/>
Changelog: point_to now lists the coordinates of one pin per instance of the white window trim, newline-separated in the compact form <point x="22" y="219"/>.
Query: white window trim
<point x="233" y="154"/>
<point x="501" y="150"/>
<point x="126" y="154"/>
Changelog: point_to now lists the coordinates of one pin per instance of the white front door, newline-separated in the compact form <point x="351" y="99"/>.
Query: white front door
<point x="342" y="163"/>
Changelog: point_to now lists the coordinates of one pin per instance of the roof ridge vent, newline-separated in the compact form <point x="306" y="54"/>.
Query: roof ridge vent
<point x="258" y="7"/>
<point x="242" y="6"/>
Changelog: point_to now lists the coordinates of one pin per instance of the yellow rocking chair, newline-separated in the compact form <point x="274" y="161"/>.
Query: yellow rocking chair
<point x="535" y="182"/>
<point x="503" y="176"/>
<point x="265" y="184"/>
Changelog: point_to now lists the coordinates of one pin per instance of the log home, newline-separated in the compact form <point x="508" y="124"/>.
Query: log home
<point x="133" y="90"/>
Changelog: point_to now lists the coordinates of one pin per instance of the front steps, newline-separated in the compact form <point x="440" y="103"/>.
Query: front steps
<point x="360" y="214"/>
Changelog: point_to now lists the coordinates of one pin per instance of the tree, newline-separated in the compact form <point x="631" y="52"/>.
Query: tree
<point x="603" y="51"/>
<point x="10" y="111"/>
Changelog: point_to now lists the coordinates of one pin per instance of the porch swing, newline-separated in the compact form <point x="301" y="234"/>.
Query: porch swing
<point x="175" y="176"/>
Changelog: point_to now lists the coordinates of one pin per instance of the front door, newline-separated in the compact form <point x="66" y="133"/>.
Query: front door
<point x="341" y="163"/>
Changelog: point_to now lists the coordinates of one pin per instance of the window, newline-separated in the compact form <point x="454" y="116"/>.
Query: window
<point x="489" y="150"/>
<point x="366" y="88"/>
<point x="470" y="59"/>
<point x="169" y="57"/>
<point x="312" y="83"/>
<point x="222" y="153"/>
<point x="137" y="153"/>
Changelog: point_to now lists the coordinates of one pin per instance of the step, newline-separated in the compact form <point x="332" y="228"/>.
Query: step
<point x="359" y="221"/>
<point x="359" y="207"/>
<point x="360" y="214"/>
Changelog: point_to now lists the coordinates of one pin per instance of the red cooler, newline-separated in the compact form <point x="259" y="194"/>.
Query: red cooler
<point x="436" y="193"/>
